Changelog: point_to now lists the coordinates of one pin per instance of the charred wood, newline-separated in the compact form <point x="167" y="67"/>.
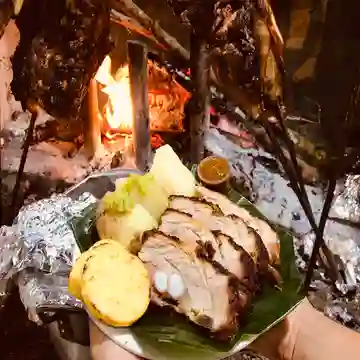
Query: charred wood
<point x="59" y="53"/>
<point x="132" y="10"/>
<point x="60" y="130"/>
<point x="200" y="101"/>
<point x="138" y="75"/>
<point x="133" y="25"/>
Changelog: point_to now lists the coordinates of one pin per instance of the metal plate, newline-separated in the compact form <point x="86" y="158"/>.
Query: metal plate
<point x="98" y="185"/>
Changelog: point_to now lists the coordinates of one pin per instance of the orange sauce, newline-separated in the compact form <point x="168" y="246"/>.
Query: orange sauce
<point x="213" y="169"/>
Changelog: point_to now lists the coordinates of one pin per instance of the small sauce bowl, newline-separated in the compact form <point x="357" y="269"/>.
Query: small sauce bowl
<point x="214" y="172"/>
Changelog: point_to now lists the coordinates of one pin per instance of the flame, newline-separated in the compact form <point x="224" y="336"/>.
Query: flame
<point x="118" y="110"/>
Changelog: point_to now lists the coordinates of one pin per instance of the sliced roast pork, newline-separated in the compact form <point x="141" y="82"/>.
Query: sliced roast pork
<point x="267" y="234"/>
<point x="196" y="236"/>
<point x="195" y="206"/>
<point x="237" y="261"/>
<point x="209" y="296"/>
<point x="190" y="231"/>
<point x="232" y="226"/>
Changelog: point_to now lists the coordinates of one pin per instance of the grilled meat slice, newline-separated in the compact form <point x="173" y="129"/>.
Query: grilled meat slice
<point x="237" y="260"/>
<point x="198" y="208"/>
<point x="231" y="226"/>
<point x="196" y="237"/>
<point x="211" y="298"/>
<point x="267" y="234"/>
<point x="248" y="238"/>
<point x="191" y="232"/>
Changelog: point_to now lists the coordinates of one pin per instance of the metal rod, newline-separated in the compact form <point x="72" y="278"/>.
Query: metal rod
<point x="19" y="175"/>
<point x="305" y="205"/>
<point x="138" y="76"/>
<point x="319" y="240"/>
<point x="304" y="200"/>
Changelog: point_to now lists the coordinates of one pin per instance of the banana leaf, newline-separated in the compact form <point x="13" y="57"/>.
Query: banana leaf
<point x="164" y="335"/>
<point x="174" y="338"/>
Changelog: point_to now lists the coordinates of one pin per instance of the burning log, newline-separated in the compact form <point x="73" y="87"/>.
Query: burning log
<point x="138" y="75"/>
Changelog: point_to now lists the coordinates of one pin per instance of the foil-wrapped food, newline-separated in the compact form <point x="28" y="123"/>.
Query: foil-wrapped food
<point x="41" y="246"/>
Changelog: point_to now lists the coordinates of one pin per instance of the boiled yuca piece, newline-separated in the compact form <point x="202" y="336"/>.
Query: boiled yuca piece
<point x="126" y="228"/>
<point x="136" y="189"/>
<point x="171" y="173"/>
<point x="75" y="277"/>
<point x="133" y="208"/>
<point x="115" y="287"/>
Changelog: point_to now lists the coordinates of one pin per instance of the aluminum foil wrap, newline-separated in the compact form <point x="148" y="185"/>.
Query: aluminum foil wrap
<point x="43" y="292"/>
<point x="347" y="201"/>
<point x="342" y="301"/>
<point x="41" y="247"/>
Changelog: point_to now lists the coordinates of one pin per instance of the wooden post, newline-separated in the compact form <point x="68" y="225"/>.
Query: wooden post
<point x="200" y="102"/>
<point x="138" y="76"/>
<point x="92" y="142"/>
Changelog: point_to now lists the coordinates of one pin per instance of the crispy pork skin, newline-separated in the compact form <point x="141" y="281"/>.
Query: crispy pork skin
<point x="196" y="236"/>
<point x="207" y="260"/>
<point x="212" y="297"/>
<point x="190" y="231"/>
<point x="267" y="234"/>
<point x="198" y="208"/>
<point x="210" y="216"/>
<point x="237" y="261"/>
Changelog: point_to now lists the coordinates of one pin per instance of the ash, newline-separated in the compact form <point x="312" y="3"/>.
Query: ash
<point x="52" y="165"/>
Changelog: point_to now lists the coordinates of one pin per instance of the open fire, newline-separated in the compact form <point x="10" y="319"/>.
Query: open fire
<point x="166" y="100"/>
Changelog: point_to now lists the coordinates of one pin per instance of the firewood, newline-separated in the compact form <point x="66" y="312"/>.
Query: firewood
<point x="132" y="10"/>
<point x="200" y="101"/>
<point x="133" y="25"/>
